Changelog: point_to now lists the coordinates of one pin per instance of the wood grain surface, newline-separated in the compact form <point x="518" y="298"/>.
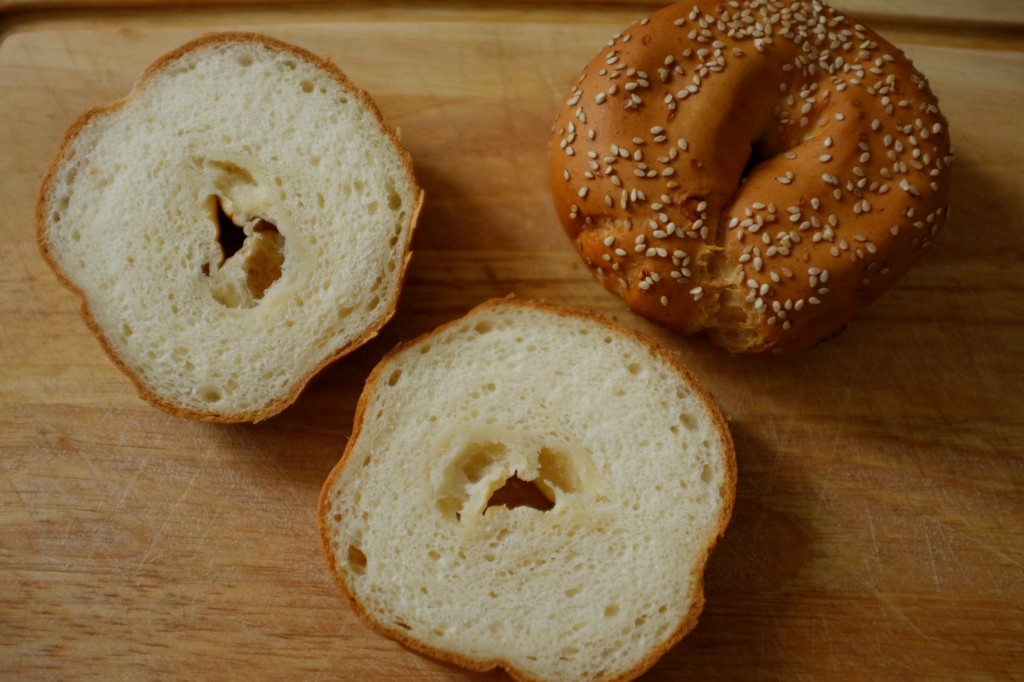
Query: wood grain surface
<point x="879" y="527"/>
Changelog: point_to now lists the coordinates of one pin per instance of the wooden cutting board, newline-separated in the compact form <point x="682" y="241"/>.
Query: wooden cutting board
<point x="879" y="526"/>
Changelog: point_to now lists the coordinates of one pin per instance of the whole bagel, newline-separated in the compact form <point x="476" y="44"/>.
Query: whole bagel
<point x="760" y="171"/>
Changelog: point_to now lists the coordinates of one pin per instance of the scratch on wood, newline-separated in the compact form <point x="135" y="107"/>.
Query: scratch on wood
<point x="931" y="558"/>
<point x="871" y="529"/>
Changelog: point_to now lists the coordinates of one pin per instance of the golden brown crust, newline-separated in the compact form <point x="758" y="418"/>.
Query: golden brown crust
<point x="157" y="67"/>
<point x="727" y="492"/>
<point x="648" y="162"/>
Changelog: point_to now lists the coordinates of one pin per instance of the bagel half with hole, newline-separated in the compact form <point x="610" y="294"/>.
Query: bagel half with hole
<point x="239" y="220"/>
<point x="757" y="170"/>
<point x="530" y="487"/>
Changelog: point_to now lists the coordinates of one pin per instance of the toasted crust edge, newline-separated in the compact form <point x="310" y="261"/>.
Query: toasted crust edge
<point x="727" y="491"/>
<point x="206" y="40"/>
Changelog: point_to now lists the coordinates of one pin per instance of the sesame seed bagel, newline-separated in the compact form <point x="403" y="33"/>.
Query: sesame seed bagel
<point x="760" y="171"/>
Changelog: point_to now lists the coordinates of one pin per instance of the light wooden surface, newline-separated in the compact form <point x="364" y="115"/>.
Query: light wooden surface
<point x="879" y="526"/>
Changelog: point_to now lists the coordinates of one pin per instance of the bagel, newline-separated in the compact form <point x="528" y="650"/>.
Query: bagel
<point x="756" y="170"/>
<point x="530" y="487"/>
<point x="240" y="219"/>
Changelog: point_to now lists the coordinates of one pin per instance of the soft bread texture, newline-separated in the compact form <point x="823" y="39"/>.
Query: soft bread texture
<point x="760" y="171"/>
<point x="631" y="470"/>
<point x="233" y="137"/>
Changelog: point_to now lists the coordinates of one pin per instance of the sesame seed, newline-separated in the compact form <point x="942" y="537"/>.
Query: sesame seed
<point x="909" y="188"/>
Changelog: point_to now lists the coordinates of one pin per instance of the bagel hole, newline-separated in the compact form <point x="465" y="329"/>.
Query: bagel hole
<point x="478" y="477"/>
<point x="251" y="256"/>
<point x="556" y="471"/>
<point x="516" y="492"/>
<point x="759" y="153"/>
<point x="230" y="236"/>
